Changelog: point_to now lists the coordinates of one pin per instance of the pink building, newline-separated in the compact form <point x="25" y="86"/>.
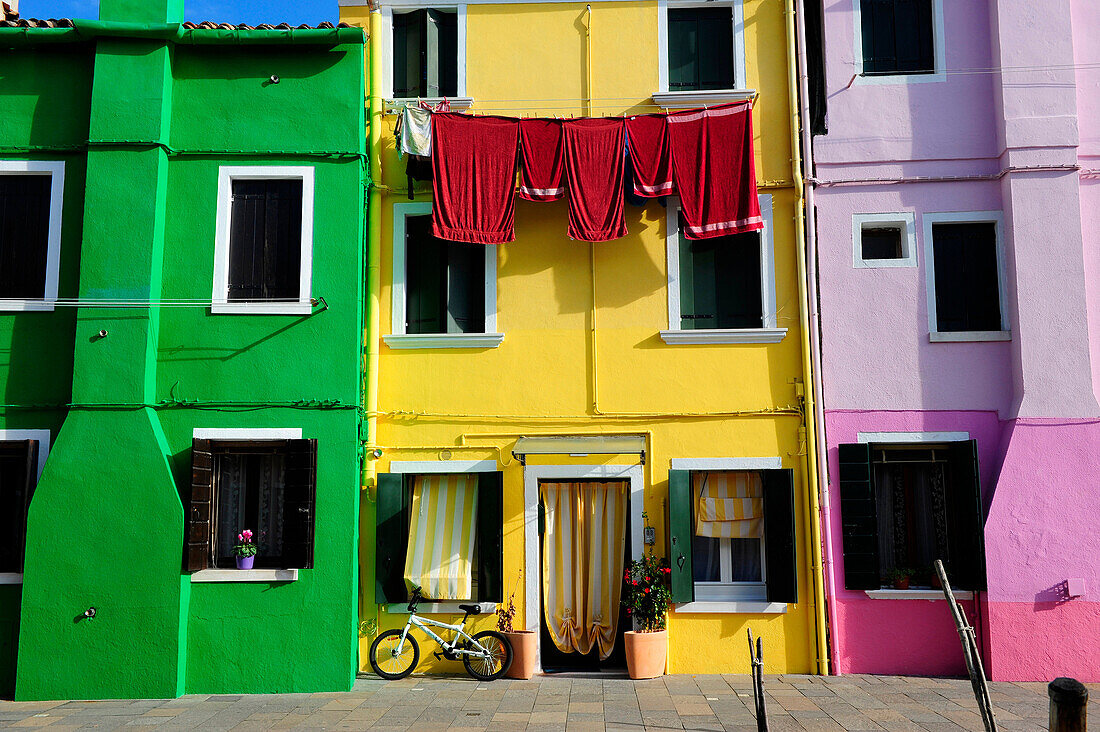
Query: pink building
<point x="958" y="229"/>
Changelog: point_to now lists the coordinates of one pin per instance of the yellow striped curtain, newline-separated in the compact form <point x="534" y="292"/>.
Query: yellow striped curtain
<point x="582" y="563"/>
<point x="729" y="505"/>
<point x="441" y="535"/>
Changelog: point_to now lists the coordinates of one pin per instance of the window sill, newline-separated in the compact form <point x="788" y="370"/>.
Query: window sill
<point x="26" y="306"/>
<point x="458" y="104"/>
<point x="924" y="77"/>
<point x="969" y="336"/>
<point x="685" y="99"/>
<point x="444" y="340"/>
<point x="11" y="578"/>
<point x="262" y="308"/>
<point x="245" y="575"/>
<point x="439" y="608"/>
<point x="739" y="606"/>
<point x="889" y="594"/>
<point x="738" y="335"/>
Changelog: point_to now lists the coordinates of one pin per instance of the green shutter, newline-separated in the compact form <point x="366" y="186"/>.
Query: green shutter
<point x="780" y="548"/>
<point x="391" y="539"/>
<point x="490" y="537"/>
<point x="859" y="518"/>
<point x="679" y="535"/>
<point x="966" y="527"/>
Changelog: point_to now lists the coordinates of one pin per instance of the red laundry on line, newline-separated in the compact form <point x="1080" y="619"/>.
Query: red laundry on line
<point x="541" y="165"/>
<point x="714" y="170"/>
<point x="594" y="174"/>
<point x="649" y="151"/>
<point x="474" y="178"/>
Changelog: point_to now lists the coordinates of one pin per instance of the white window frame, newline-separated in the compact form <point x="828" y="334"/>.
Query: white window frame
<point x="905" y="222"/>
<point x="56" y="171"/>
<point x="220" y="299"/>
<point x="460" y="101"/>
<point x="770" y="333"/>
<point x="398" y="338"/>
<point x="965" y="217"/>
<point x="43" y="439"/>
<point x="667" y="98"/>
<point x="939" y="52"/>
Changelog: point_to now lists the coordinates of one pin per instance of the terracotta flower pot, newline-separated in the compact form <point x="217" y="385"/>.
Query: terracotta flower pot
<point x="901" y="583"/>
<point x="523" y="654"/>
<point x="645" y="653"/>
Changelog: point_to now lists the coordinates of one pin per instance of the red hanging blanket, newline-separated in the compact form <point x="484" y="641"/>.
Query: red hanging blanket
<point x="594" y="172"/>
<point x="649" y="152"/>
<point x="474" y="178"/>
<point x="541" y="165"/>
<point x="714" y="171"/>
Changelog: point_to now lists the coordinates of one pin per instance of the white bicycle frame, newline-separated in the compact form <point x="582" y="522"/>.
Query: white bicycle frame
<point x="423" y="623"/>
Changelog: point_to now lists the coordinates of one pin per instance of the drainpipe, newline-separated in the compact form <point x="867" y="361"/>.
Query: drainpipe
<point x="810" y="479"/>
<point x="374" y="241"/>
<point x="815" y="323"/>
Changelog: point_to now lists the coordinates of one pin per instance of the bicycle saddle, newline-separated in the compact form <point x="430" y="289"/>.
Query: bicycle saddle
<point x="472" y="609"/>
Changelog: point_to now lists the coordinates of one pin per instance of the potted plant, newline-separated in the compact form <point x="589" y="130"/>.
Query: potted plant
<point x="646" y="598"/>
<point x="245" y="550"/>
<point x="899" y="576"/>
<point x="523" y="641"/>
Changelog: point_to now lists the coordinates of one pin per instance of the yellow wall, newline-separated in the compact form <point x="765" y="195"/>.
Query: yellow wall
<point x="540" y="380"/>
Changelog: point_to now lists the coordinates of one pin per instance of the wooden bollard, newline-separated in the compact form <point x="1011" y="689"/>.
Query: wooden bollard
<point x="1068" y="705"/>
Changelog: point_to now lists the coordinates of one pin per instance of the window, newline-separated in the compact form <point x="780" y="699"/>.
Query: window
<point x="264" y="244"/>
<point x="425" y="53"/>
<point x="721" y="290"/>
<point x="884" y="240"/>
<point x="31" y="195"/>
<point x="731" y="535"/>
<point x="410" y="550"/>
<point x="897" y="36"/>
<point x="904" y="506"/>
<point x="18" y="476"/>
<point x="965" y="277"/>
<point x="444" y="293"/>
<point x="700" y="48"/>
<point x="267" y="486"/>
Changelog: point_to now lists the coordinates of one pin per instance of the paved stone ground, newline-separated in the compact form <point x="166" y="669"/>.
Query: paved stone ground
<point x="795" y="704"/>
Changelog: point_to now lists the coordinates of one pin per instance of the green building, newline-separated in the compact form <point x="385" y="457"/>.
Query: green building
<point x="181" y="308"/>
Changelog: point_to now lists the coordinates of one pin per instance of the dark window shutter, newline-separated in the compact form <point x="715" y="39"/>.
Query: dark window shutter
<point x="299" y="507"/>
<point x="966" y="524"/>
<point x="265" y="240"/>
<point x="679" y="535"/>
<point x="700" y="49"/>
<point x="426" y="278"/>
<point x="739" y="297"/>
<point x="815" y="67"/>
<point x="490" y="537"/>
<point x="391" y="539"/>
<point x="967" y="277"/>
<point x="780" y="552"/>
<point x="859" y="518"/>
<point x="24" y="234"/>
<point x="465" y="288"/>
<point x="30" y="480"/>
<point x="409" y="54"/>
<point x="446" y="25"/>
<point x="18" y="475"/>
<point x="200" y="507"/>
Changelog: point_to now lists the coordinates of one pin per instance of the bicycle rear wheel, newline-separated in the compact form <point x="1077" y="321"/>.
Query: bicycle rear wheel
<point x="385" y="659"/>
<point x="496" y="664"/>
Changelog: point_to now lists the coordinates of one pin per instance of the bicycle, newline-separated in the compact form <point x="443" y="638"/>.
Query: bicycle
<point x="486" y="655"/>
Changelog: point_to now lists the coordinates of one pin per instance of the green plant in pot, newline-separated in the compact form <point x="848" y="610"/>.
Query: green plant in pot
<point x="245" y="550"/>
<point x="899" y="577"/>
<point x="646" y="597"/>
<point x="524" y="652"/>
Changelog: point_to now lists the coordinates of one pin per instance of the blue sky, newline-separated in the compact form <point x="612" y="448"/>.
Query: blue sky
<point x="252" y="12"/>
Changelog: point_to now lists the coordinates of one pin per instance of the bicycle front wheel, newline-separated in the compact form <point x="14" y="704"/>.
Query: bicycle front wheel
<point x="390" y="663"/>
<point x="497" y="660"/>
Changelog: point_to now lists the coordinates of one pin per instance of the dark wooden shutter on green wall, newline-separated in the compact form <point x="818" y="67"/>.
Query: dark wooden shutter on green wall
<point x="966" y="524"/>
<point x="199" y="511"/>
<point x="24" y="234"/>
<point x="299" y="507"/>
<point x="391" y="539"/>
<point x="679" y="535"/>
<point x="780" y="548"/>
<point x="490" y="537"/>
<point x="859" y="518"/>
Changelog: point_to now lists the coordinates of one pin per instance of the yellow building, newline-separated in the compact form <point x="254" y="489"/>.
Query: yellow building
<point x="594" y="363"/>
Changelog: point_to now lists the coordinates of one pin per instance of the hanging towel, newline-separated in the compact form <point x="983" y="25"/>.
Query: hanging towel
<point x="594" y="175"/>
<point x="541" y="176"/>
<point x="714" y="171"/>
<point x="474" y="178"/>
<point x="647" y="136"/>
<point x="414" y="133"/>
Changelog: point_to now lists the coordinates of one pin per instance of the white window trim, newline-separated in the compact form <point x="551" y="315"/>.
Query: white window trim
<point x="939" y="52"/>
<point x="460" y="101"/>
<point x="770" y="333"/>
<point x="890" y="594"/>
<point x="904" y="438"/>
<point x="258" y="433"/>
<point x="716" y="96"/>
<point x="56" y="171"/>
<point x="243" y="575"/>
<point x="398" y="338"/>
<point x="532" y="474"/>
<point x="905" y="221"/>
<point x="968" y="217"/>
<point x="743" y="463"/>
<point x="43" y="438"/>
<point x="226" y="175"/>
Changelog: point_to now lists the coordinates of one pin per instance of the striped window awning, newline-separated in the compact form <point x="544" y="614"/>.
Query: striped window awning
<point x="729" y="505"/>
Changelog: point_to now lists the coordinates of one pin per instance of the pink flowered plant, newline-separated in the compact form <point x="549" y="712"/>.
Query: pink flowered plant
<point x="245" y="547"/>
